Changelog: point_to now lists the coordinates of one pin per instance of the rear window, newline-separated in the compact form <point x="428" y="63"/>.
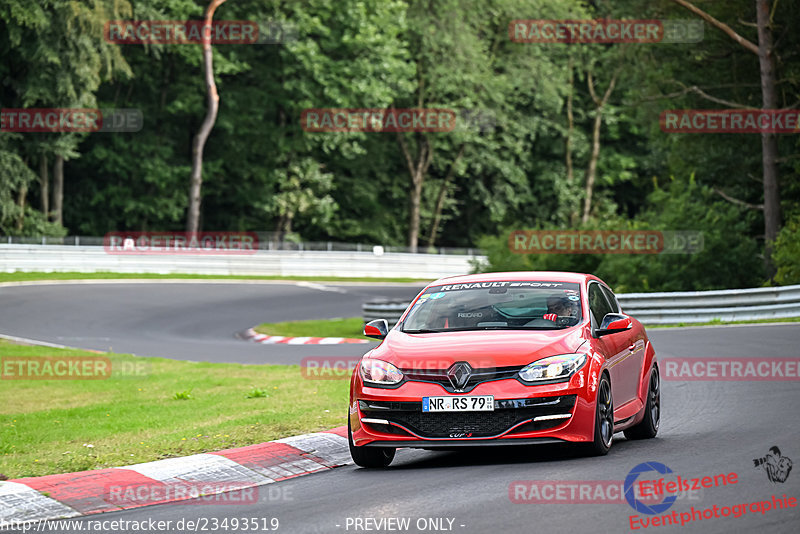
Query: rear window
<point x="503" y="305"/>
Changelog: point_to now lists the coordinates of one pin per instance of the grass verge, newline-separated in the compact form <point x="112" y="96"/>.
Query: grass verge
<point x="351" y="327"/>
<point x="150" y="409"/>
<point x="25" y="277"/>
<point x="718" y="322"/>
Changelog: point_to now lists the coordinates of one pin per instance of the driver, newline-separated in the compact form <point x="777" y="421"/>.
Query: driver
<point x="560" y="306"/>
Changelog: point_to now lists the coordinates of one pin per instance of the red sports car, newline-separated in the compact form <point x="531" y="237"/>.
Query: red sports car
<point x="504" y="359"/>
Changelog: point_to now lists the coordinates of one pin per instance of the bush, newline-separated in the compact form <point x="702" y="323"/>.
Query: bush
<point x="786" y="253"/>
<point x="34" y="224"/>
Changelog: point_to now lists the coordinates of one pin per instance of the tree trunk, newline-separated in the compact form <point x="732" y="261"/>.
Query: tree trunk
<point x="416" y="171"/>
<point x="196" y="184"/>
<point x="58" y="190"/>
<point x="769" y="141"/>
<point x="44" y="184"/>
<point x="413" y="214"/>
<point x="437" y="213"/>
<point x="23" y="193"/>
<point x="591" y="171"/>
<point x="287" y="224"/>
<point x="573" y="216"/>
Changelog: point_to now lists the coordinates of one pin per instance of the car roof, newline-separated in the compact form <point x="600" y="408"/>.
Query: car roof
<point x="532" y="276"/>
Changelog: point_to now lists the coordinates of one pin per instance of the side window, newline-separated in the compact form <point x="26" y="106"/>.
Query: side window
<point x="611" y="299"/>
<point x="598" y="304"/>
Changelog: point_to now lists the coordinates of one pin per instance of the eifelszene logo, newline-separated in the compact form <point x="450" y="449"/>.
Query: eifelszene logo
<point x="638" y="505"/>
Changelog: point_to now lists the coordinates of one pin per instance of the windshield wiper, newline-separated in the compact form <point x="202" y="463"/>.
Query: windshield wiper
<point x="510" y="328"/>
<point x="480" y="328"/>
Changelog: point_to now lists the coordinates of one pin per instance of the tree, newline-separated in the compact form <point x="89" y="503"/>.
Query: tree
<point x="769" y="100"/>
<point x="56" y="58"/>
<point x="196" y="181"/>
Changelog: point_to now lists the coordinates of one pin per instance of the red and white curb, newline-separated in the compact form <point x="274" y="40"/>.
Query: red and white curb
<point x="252" y="335"/>
<point x="87" y="492"/>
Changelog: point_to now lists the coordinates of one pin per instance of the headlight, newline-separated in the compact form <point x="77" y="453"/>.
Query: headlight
<point x="552" y="367"/>
<point x="379" y="372"/>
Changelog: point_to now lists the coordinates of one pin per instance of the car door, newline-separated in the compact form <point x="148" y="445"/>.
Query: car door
<point x="614" y="346"/>
<point x="631" y="341"/>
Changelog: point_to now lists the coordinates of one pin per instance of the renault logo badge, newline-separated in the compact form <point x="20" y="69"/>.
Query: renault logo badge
<point x="459" y="374"/>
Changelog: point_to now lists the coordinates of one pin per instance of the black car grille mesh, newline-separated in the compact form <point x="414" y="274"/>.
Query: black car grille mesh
<point x="471" y="424"/>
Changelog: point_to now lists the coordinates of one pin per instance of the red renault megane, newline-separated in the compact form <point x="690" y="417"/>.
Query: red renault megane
<point x="504" y="359"/>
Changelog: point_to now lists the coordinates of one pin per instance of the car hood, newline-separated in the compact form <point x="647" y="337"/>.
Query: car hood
<point x="481" y="349"/>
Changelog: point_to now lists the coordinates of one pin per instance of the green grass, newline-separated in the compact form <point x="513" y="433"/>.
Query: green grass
<point x="25" y="277"/>
<point x="351" y="327"/>
<point x="718" y="322"/>
<point x="153" y="408"/>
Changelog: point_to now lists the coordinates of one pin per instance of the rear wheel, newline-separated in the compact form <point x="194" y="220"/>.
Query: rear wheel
<point x="648" y="427"/>
<point x="369" y="456"/>
<point x="603" y="420"/>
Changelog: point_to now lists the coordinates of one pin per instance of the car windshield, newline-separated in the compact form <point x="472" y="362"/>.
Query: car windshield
<point x="501" y="305"/>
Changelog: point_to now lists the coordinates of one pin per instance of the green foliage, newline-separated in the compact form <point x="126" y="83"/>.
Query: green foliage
<point x="183" y="395"/>
<point x="257" y="393"/>
<point x="728" y="259"/>
<point x="14" y="175"/>
<point x="35" y="224"/>
<point x="786" y="253"/>
<point x="262" y="172"/>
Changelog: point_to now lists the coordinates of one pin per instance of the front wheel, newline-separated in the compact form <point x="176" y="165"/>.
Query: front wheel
<point x="369" y="456"/>
<point x="648" y="427"/>
<point x="603" y="420"/>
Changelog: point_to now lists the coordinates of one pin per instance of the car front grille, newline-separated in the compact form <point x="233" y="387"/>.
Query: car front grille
<point x="507" y="414"/>
<point x="478" y="376"/>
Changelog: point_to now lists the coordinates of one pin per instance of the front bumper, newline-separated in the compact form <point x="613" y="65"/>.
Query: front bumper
<point x="548" y="413"/>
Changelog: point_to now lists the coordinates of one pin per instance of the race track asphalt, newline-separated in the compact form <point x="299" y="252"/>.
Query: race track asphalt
<point x="708" y="427"/>
<point x="184" y="321"/>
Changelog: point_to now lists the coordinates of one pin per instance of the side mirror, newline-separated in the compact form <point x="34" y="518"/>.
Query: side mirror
<point x="613" y="323"/>
<point x="378" y="329"/>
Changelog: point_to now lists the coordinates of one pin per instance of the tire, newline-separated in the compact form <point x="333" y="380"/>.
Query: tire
<point x="603" y="420"/>
<point x="371" y="457"/>
<point x="648" y="427"/>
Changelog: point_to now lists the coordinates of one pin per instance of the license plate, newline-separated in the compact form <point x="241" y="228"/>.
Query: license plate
<point x="466" y="403"/>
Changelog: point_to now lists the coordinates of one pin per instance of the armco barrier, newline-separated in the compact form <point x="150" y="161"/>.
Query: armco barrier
<point x="671" y="308"/>
<point x="391" y="310"/>
<point x="702" y="306"/>
<point x="90" y="259"/>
